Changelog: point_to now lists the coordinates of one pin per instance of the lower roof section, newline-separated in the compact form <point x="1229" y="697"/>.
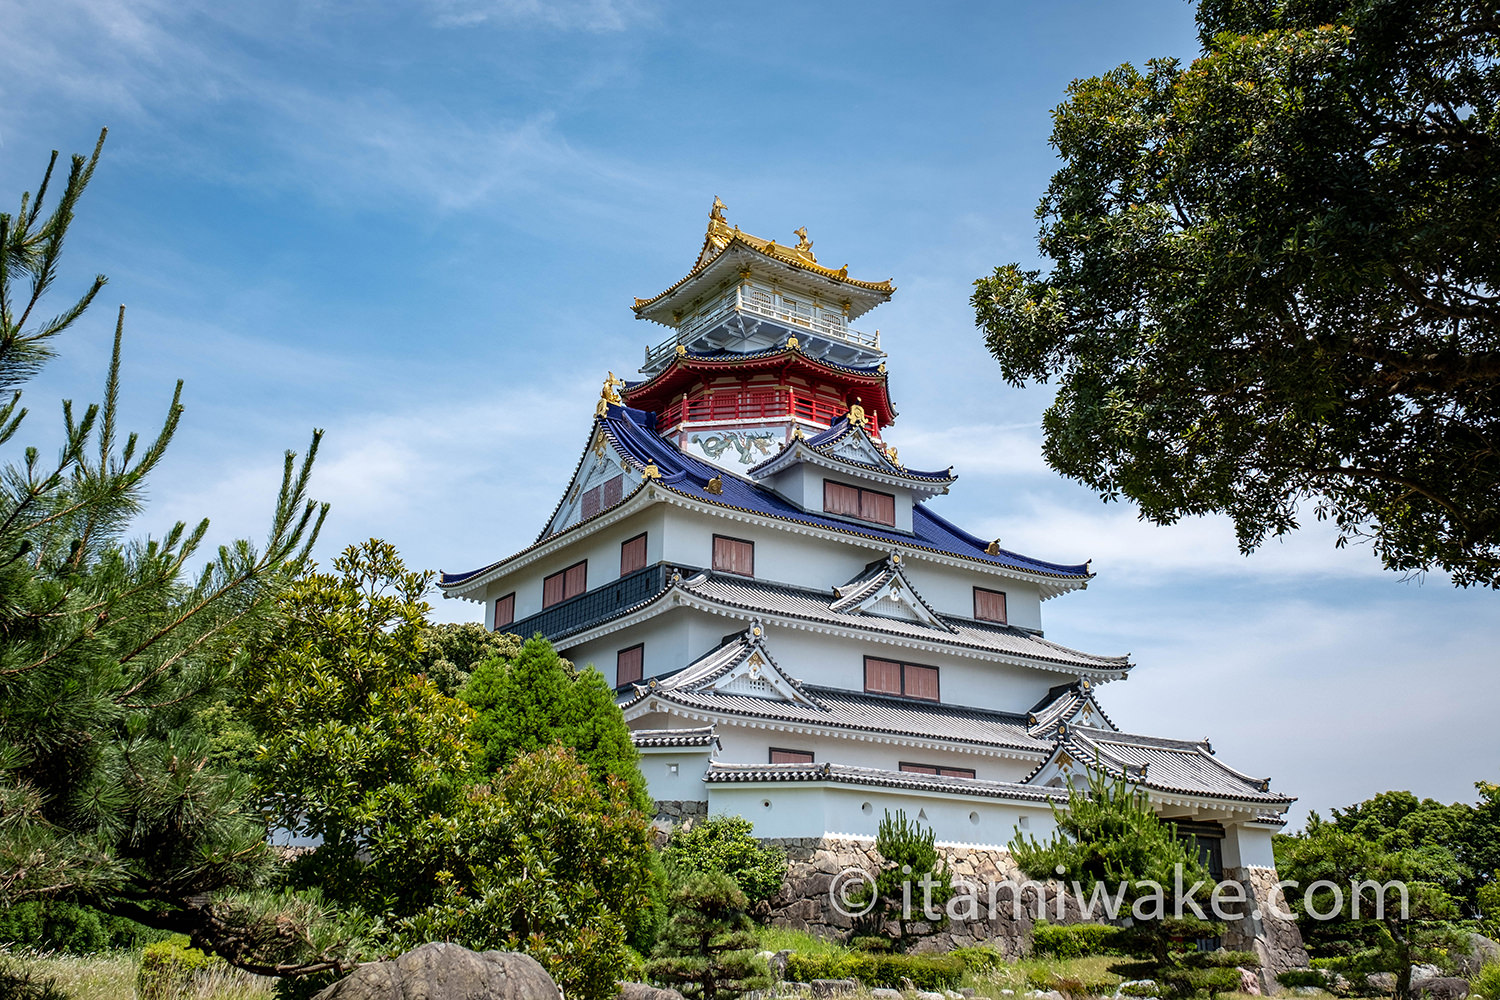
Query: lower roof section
<point x="877" y="778"/>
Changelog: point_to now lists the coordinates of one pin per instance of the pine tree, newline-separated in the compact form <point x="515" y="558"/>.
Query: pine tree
<point x="110" y="646"/>
<point x="909" y="855"/>
<point x="705" y="950"/>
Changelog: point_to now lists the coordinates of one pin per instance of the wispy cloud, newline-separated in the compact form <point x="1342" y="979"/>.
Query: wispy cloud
<point x="566" y="15"/>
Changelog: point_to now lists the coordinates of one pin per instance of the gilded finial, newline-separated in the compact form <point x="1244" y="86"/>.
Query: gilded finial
<point x="791" y="343"/>
<point x="993" y="548"/>
<point x="857" y="416"/>
<point x="797" y="432"/>
<point x="714" y="485"/>
<point x="609" y="393"/>
<point x="880" y="368"/>
<point x="803" y="243"/>
<point x="890" y="452"/>
<point x="682" y="350"/>
<point x="717" y="212"/>
<point x="651" y="471"/>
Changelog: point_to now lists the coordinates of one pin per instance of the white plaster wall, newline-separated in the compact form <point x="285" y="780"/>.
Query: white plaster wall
<point x="802" y="484"/>
<point x="951" y="591"/>
<point x="676" y="774"/>
<point x="600" y="548"/>
<point x="1248" y="847"/>
<point x="746" y="745"/>
<point x="807" y="809"/>
<point x="780" y="556"/>
<point x="839" y="662"/>
<point x="672" y="640"/>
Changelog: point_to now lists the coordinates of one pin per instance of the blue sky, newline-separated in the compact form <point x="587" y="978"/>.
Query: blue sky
<point x="419" y="225"/>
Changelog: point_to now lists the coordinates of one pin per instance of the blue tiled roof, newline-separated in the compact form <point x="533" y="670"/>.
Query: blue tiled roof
<point x="633" y="431"/>
<point x="836" y="432"/>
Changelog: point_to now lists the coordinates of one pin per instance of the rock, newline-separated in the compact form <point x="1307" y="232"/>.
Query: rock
<point x="1249" y="982"/>
<point x="1307" y="991"/>
<point x="1007" y="993"/>
<point x="967" y="992"/>
<point x="921" y="995"/>
<point x="881" y="993"/>
<point x="764" y="956"/>
<point x="441" y="971"/>
<point x="641" y="991"/>
<point x="1422" y="973"/>
<point x="953" y="995"/>
<point x="833" y="987"/>
<point x="777" y="963"/>
<point x="907" y="986"/>
<point x="1482" y="952"/>
<point x="1443" y="988"/>
<point x="1381" y="982"/>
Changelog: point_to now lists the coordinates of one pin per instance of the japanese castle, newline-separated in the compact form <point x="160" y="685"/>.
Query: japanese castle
<point x="796" y="634"/>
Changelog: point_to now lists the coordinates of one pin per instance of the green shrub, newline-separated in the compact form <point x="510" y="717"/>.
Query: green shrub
<point x="726" y="844"/>
<point x="1075" y="940"/>
<point x="1487" y="983"/>
<point x="875" y="969"/>
<point x="980" y="959"/>
<point x="1135" y="989"/>
<point x="1071" y="986"/>
<point x="1293" y="978"/>
<point x="1188" y="981"/>
<point x="168" y="967"/>
<point x="51" y="925"/>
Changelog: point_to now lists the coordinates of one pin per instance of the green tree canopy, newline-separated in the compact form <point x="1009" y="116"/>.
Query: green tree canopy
<point x="1275" y="279"/>
<point x="112" y="647"/>
<point x="537" y="699"/>
<point x="705" y="951"/>
<point x="726" y="844"/>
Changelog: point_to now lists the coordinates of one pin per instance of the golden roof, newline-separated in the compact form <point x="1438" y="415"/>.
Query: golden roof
<point x="721" y="236"/>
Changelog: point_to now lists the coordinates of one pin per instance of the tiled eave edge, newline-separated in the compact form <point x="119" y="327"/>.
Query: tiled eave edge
<point x="1050" y="586"/>
<point x="641" y="705"/>
<point x="646" y="493"/>
<point x="677" y="597"/>
<point x="819" y="774"/>
<point x="800" y="451"/>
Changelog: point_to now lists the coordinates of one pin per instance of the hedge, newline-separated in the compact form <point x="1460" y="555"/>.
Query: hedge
<point x="927" y="972"/>
<point x="168" y="968"/>
<point x="1076" y="940"/>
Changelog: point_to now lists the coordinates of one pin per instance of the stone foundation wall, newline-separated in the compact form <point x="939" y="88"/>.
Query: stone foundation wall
<point x="805" y="903"/>
<point x="1275" y="939"/>
<point x="669" y="813"/>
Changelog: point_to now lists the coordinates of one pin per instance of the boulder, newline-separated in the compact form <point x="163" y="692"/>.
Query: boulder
<point x="441" y="971"/>
<point x="922" y="995"/>
<point x="953" y="995"/>
<point x="1442" y="988"/>
<point x="881" y="993"/>
<point x="1482" y="952"/>
<point x="1422" y="973"/>
<point x="1382" y="982"/>
<point x="641" y="991"/>
<point x="833" y="987"/>
<point x="1249" y="981"/>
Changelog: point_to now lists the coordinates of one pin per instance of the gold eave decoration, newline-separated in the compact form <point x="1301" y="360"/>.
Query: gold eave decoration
<point x="651" y="472"/>
<point x="714" y="485"/>
<point x="993" y="548"/>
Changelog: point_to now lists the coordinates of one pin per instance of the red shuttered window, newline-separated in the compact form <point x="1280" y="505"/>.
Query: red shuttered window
<point x="946" y="772"/>
<point x="569" y="583"/>
<point x="505" y="611"/>
<point x="734" y="555"/>
<point x="882" y="676"/>
<point x="591" y="502"/>
<point x="633" y="555"/>
<point x="908" y="679"/>
<point x="850" y="501"/>
<point x="628" y="663"/>
<point x="989" y="605"/>
<point x="780" y="756"/>
<point x="612" y="491"/>
<point x="840" y="499"/>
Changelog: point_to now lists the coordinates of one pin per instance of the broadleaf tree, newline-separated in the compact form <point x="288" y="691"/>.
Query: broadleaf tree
<point x="1273" y="280"/>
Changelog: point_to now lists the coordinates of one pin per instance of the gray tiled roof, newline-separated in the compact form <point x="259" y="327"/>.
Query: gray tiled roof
<point x="1186" y="767"/>
<point x="703" y="736"/>
<point x="849" y="710"/>
<point x="719" y="773"/>
<point x="779" y="599"/>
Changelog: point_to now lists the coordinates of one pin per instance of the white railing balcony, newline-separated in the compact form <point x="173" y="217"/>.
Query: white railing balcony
<point x="818" y="324"/>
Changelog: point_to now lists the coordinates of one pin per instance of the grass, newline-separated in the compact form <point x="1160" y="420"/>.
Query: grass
<point x="1034" y="973"/>
<point x="111" y="976"/>
<point x="801" y="942"/>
